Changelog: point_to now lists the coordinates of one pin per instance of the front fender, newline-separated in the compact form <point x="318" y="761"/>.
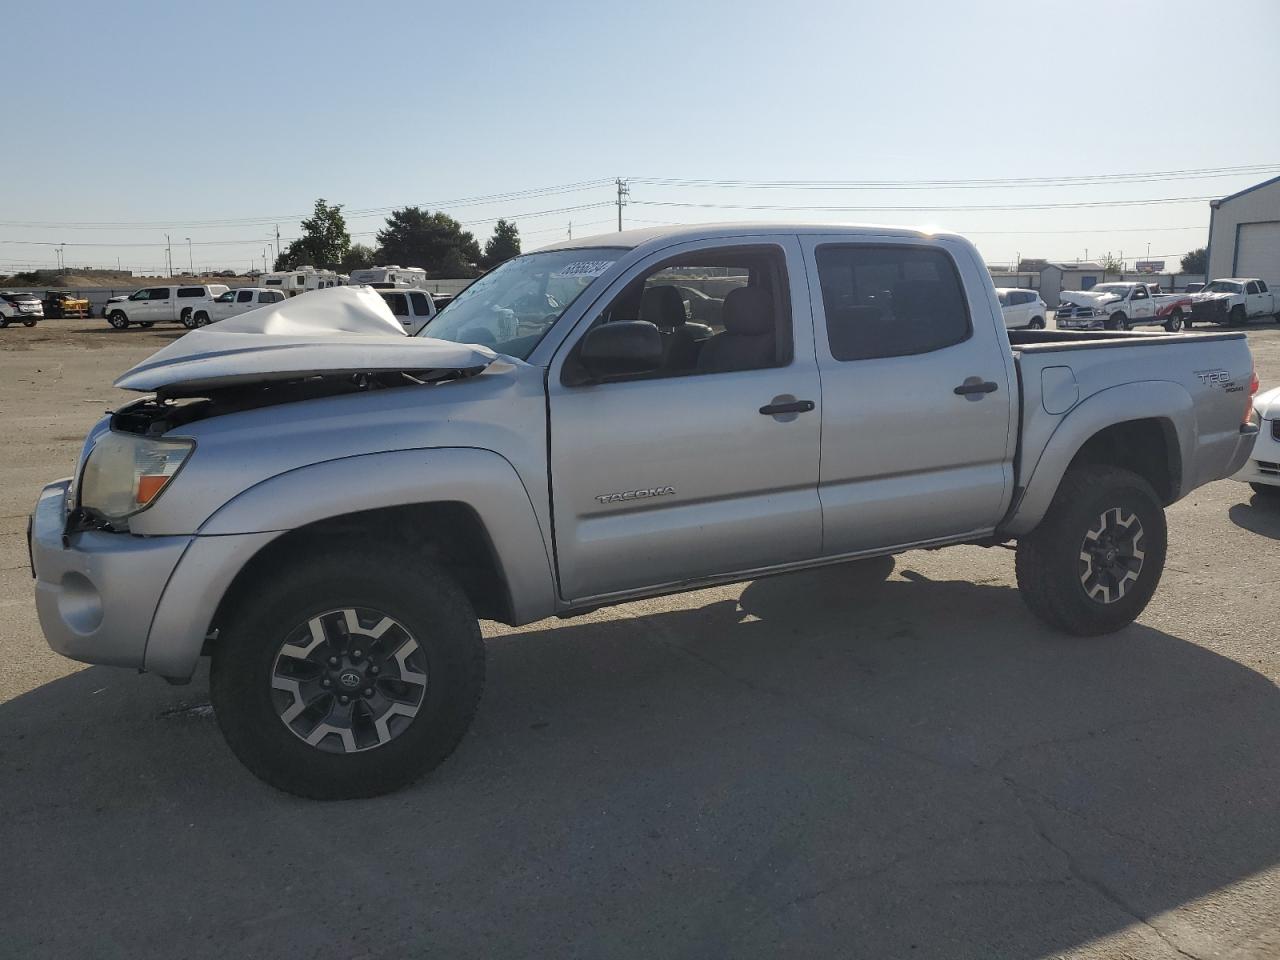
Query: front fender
<point x="480" y="479"/>
<point x="1162" y="400"/>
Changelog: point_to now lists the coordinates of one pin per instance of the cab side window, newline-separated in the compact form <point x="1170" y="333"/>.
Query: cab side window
<point x="891" y="301"/>
<point x="716" y="311"/>
<point x="1262" y="286"/>
<point x="244" y="296"/>
<point x="1140" y="293"/>
<point x="158" y="293"/>
<point x="398" y="304"/>
<point x="1251" y="287"/>
<point x="420" y="305"/>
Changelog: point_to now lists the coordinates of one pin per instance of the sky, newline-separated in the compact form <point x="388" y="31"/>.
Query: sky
<point x="217" y="122"/>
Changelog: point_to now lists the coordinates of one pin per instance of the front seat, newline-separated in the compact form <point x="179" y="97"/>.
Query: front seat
<point x="748" y="341"/>
<point x="681" y="340"/>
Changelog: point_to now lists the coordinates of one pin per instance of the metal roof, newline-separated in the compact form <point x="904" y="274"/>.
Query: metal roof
<point x="1241" y="193"/>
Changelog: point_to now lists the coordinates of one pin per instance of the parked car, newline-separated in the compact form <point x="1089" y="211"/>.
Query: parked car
<point x="235" y="302"/>
<point x="169" y="304"/>
<point x="1022" y="308"/>
<point x="1234" y="301"/>
<point x="1121" y="306"/>
<point x="1262" y="471"/>
<point x="62" y="304"/>
<point x="325" y="506"/>
<point x="413" y="308"/>
<point x="24" y="308"/>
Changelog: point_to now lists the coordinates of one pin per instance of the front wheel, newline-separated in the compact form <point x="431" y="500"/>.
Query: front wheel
<point x="28" y="323"/>
<point x="1174" y="323"/>
<point x="1037" y="323"/>
<point x="1118" y="321"/>
<point x="118" y="320"/>
<point x="1237" y="318"/>
<point x="202" y="318"/>
<point x="1095" y="560"/>
<point x="188" y="320"/>
<point x="348" y="676"/>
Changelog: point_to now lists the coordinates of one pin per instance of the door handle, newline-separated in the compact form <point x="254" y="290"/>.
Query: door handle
<point x="794" y="406"/>
<point x="974" y="385"/>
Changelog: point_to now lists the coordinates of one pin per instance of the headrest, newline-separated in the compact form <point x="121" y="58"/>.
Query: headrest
<point x="662" y="306"/>
<point x="748" y="312"/>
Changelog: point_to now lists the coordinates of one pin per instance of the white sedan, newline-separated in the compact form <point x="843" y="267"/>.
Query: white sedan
<point x="1262" y="472"/>
<point x="1021" y="308"/>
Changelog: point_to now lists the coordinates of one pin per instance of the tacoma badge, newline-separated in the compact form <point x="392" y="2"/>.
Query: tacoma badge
<point x="635" y="494"/>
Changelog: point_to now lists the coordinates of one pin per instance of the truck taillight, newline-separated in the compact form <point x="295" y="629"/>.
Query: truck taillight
<point x="1248" y="401"/>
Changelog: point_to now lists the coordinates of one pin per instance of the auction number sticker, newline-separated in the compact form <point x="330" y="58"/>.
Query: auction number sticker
<point x="584" y="268"/>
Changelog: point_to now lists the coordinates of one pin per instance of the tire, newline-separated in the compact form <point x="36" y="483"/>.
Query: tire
<point x="1037" y="323"/>
<point x="147" y="325"/>
<point x="187" y="319"/>
<point x="1174" y="323"/>
<point x="118" y="320"/>
<point x="1061" y="564"/>
<point x="28" y="323"/>
<point x="202" y="318"/>
<point x="250" y="667"/>
<point x="1118" y="321"/>
<point x="1237" y="318"/>
<point x="1265" y="490"/>
<point x="4" y="322"/>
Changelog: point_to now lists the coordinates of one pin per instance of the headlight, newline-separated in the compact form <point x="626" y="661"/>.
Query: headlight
<point x="125" y="473"/>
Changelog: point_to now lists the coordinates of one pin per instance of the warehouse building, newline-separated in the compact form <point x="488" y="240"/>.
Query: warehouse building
<point x="1244" y="234"/>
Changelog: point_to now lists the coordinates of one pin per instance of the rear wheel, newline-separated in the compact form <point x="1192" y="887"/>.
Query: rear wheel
<point x="1265" y="490"/>
<point x="1174" y="323"/>
<point x="1095" y="560"/>
<point x="348" y="675"/>
<point x="4" y="322"/>
<point x="118" y="320"/>
<point x="28" y="323"/>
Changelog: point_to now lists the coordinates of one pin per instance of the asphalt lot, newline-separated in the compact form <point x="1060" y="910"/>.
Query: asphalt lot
<point x="886" y="760"/>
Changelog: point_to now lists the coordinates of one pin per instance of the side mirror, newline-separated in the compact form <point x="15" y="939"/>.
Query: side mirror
<point x="620" y="348"/>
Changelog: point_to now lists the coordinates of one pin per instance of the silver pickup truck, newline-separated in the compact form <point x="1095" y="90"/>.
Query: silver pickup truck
<point x="324" y="505"/>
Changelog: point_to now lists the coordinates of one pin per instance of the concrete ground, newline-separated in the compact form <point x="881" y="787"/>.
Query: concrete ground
<point x="886" y="760"/>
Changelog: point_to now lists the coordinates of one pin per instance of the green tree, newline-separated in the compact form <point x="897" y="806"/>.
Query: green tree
<point x="1111" y="264"/>
<point x="414" y="237"/>
<point x="324" y="241"/>
<point x="502" y="246"/>
<point x="359" y="256"/>
<point x="1197" y="261"/>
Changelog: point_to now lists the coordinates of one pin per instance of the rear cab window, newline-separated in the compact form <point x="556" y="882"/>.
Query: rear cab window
<point x="890" y="301"/>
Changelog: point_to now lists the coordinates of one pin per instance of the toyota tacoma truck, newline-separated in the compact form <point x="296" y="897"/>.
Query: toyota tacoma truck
<point x="1121" y="306"/>
<point x="324" y="505"/>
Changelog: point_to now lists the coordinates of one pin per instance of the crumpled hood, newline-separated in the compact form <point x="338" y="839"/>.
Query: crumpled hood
<point x="1268" y="404"/>
<point x="343" y="330"/>
<point x="1200" y="297"/>
<point x="1082" y="298"/>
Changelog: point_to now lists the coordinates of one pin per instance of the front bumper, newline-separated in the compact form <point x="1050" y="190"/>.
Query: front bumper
<point x="97" y="592"/>
<point x="130" y="601"/>
<point x="1080" y="323"/>
<point x="1263" y="465"/>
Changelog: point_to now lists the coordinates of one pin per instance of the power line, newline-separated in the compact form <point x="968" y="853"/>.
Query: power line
<point x="916" y="209"/>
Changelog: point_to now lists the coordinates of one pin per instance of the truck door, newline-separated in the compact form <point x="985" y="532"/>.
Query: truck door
<point x="918" y="434"/>
<point x="159" y="305"/>
<point x="1254" y="298"/>
<point x="1141" y="306"/>
<point x="708" y="466"/>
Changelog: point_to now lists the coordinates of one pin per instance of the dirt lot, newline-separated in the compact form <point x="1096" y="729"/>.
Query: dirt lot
<point x="890" y="760"/>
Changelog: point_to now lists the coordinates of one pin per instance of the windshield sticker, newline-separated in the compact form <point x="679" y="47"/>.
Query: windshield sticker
<point x="584" y="268"/>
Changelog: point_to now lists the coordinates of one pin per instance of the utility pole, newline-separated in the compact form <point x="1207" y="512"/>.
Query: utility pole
<point x="623" y="193"/>
<point x="191" y="263"/>
<point x="570" y="229"/>
<point x="168" y="253"/>
<point x="277" y="241"/>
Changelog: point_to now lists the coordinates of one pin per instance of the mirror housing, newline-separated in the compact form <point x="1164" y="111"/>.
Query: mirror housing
<point x="621" y="348"/>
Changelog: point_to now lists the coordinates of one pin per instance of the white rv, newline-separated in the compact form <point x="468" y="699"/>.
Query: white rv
<point x="391" y="277"/>
<point x="302" y="279"/>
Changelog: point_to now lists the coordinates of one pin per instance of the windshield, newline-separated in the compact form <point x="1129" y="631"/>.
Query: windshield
<point x="1222" y="286"/>
<point x="510" y="309"/>
<point x="1119" y="289"/>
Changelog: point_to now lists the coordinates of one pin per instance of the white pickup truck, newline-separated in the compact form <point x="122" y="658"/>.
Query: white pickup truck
<point x="1234" y="301"/>
<point x="167" y="304"/>
<point x="325" y="505"/>
<point x="1121" y="306"/>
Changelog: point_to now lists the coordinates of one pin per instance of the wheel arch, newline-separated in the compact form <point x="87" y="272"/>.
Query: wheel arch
<point x="466" y="509"/>
<point x="1154" y="440"/>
